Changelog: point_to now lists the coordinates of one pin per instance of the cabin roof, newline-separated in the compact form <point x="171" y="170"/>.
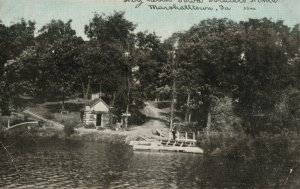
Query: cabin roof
<point x="96" y="101"/>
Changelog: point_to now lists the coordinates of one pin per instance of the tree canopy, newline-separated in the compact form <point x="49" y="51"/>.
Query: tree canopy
<point x="254" y="63"/>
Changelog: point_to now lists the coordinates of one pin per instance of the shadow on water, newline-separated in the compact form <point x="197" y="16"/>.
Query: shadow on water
<point x="214" y="172"/>
<point x="60" y="163"/>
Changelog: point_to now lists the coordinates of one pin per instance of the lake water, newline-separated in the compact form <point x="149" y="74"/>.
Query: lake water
<point x="55" y="163"/>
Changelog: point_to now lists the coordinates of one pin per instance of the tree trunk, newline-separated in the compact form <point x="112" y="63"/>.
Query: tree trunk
<point x="85" y="92"/>
<point x="187" y="113"/>
<point x="207" y="115"/>
<point x="88" y="88"/>
<point x="189" y="118"/>
<point x="127" y="105"/>
<point x="172" y="105"/>
<point x="208" y="124"/>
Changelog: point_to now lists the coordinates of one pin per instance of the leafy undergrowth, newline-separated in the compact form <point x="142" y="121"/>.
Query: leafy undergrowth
<point x="236" y="145"/>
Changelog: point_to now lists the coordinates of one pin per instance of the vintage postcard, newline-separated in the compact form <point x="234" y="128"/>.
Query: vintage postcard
<point x="150" y="94"/>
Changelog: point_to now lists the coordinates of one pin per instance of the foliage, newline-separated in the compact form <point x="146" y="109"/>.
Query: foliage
<point x="109" y="57"/>
<point x="263" y="72"/>
<point x="251" y="64"/>
<point x="203" y="54"/>
<point x="151" y="57"/>
<point x="112" y="28"/>
<point x="103" y="64"/>
<point x="223" y="115"/>
<point x="90" y="126"/>
<point x="49" y="115"/>
<point x="69" y="128"/>
<point x="13" y="40"/>
<point x="265" y="147"/>
<point x="248" y="61"/>
<point x="71" y="107"/>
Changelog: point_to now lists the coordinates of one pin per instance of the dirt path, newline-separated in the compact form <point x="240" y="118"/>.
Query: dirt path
<point x="157" y="121"/>
<point x="151" y="111"/>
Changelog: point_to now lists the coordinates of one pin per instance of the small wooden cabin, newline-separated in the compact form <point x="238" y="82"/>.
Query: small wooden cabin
<point x="96" y="113"/>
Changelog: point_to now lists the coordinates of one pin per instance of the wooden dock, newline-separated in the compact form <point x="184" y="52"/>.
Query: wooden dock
<point x="166" y="145"/>
<point x="195" y="150"/>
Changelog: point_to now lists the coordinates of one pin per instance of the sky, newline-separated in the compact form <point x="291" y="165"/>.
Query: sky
<point x="162" y="22"/>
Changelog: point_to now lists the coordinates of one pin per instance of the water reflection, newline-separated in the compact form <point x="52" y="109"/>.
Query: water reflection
<point x="58" y="163"/>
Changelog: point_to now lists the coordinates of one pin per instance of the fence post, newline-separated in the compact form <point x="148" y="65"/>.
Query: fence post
<point x="194" y="138"/>
<point x="186" y="136"/>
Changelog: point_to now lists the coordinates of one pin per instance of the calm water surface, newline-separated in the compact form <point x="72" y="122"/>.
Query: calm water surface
<point x="58" y="163"/>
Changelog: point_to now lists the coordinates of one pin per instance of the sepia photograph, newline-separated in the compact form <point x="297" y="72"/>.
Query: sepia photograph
<point x="150" y="94"/>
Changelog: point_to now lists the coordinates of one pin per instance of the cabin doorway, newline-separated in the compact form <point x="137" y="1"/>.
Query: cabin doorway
<point x="99" y="118"/>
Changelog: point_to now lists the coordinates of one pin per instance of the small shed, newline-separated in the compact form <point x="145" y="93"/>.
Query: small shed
<point x="96" y="113"/>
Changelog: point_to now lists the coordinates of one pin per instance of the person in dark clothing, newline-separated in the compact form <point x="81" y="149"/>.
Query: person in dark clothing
<point x="174" y="132"/>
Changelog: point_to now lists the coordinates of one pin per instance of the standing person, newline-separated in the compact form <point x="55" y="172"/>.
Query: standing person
<point x="174" y="132"/>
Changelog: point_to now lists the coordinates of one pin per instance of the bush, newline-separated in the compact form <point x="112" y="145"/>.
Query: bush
<point x="69" y="129"/>
<point x="216" y="140"/>
<point x="90" y="126"/>
<point x="266" y="147"/>
<point x="49" y="115"/>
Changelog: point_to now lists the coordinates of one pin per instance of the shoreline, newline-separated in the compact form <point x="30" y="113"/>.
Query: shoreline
<point x="89" y="135"/>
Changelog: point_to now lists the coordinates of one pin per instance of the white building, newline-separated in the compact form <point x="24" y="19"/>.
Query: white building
<point x="96" y="113"/>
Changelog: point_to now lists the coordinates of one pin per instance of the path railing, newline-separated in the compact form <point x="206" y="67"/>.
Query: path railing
<point x="187" y="137"/>
<point x="20" y="124"/>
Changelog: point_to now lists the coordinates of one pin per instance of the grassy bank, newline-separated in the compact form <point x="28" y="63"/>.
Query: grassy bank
<point x="103" y="137"/>
<point x="81" y="134"/>
<point x="92" y="136"/>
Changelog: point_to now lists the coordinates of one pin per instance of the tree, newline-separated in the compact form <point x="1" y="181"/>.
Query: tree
<point x="99" y="64"/>
<point x="13" y="41"/>
<point x="263" y="73"/>
<point x="113" y="36"/>
<point x="150" y="56"/>
<point x="204" y="53"/>
<point x="294" y="58"/>
<point x="55" y="31"/>
<point x="112" y="28"/>
<point x="49" y="66"/>
<point x="246" y="61"/>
